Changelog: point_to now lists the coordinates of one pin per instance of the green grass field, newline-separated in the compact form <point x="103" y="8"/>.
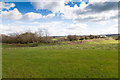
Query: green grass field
<point x="93" y="59"/>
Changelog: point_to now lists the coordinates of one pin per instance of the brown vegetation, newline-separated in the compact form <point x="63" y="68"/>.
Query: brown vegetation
<point x="25" y="38"/>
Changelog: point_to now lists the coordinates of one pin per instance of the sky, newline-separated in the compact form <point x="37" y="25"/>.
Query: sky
<point x="60" y="18"/>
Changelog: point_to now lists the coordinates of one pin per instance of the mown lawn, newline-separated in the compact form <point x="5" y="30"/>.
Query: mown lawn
<point x="96" y="59"/>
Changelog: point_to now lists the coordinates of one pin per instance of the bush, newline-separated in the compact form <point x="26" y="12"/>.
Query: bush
<point x="91" y="37"/>
<point x="81" y="38"/>
<point x="28" y="37"/>
<point x="61" y="39"/>
<point x="116" y="37"/>
<point x="45" y="40"/>
<point x="25" y="38"/>
<point x="72" y="37"/>
<point x="86" y="37"/>
<point x="33" y="44"/>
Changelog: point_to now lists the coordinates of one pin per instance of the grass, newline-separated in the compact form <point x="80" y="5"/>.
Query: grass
<point x="95" y="59"/>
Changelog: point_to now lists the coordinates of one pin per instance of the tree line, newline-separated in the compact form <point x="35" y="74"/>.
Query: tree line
<point x="27" y="37"/>
<point x="40" y="37"/>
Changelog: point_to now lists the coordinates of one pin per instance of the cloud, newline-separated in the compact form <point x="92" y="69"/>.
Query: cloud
<point x="104" y="16"/>
<point x="13" y="14"/>
<point x="98" y="7"/>
<point x="112" y="29"/>
<point x="31" y="16"/>
<point x="101" y="7"/>
<point x="53" y="6"/>
<point x="49" y="15"/>
<point x="16" y="15"/>
<point x="54" y="28"/>
<point x="76" y="26"/>
<point x="94" y="1"/>
<point x="95" y="12"/>
<point x="86" y="12"/>
<point x="6" y="5"/>
<point x="59" y="28"/>
<point x="11" y="28"/>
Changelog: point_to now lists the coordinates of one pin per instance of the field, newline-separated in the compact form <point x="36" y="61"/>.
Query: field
<point x="90" y="59"/>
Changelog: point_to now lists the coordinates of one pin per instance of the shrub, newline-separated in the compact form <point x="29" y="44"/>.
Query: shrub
<point x="25" y="38"/>
<point x="81" y="38"/>
<point x="86" y="37"/>
<point x="45" y="40"/>
<point x="33" y="44"/>
<point x="61" y="39"/>
<point x="91" y="37"/>
<point x="72" y="37"/>
<point x="28" y="37"/>
<point x="116" y="37"/>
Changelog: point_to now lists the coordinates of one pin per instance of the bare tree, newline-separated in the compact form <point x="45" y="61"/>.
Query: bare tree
<point x="46" y="33"/>
<point x="40" y="33"/>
